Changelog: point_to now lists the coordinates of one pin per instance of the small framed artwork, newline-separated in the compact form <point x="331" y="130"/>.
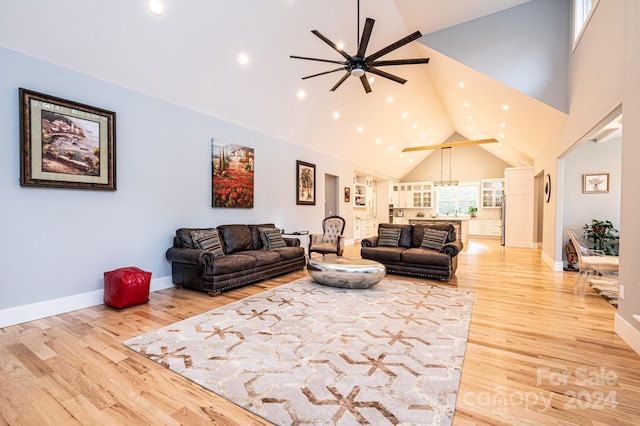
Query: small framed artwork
<point x="305" y="183"/>
<point x="595" y="183"/>
<point x="347" y="194"/>
<point x="65" y="144"/>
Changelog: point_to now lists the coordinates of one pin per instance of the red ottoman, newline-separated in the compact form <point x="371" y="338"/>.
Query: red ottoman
<point x="126" y="287"/>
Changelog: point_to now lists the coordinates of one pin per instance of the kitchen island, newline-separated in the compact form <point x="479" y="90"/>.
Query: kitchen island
<point x="461" y="224"/>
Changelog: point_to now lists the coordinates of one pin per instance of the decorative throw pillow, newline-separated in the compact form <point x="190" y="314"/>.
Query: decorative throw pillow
<point x="271" y="238"/>
<point x="433" y="239"/>
<point x="209" y="240"/>
<point x="389" y="237"/>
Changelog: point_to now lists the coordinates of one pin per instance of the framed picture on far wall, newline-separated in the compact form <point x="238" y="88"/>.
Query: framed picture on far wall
<point x="347" y="194"/>
<point x="595" y="183"/>
<point x="305" y="183"/>
<point x="65" y="144"/>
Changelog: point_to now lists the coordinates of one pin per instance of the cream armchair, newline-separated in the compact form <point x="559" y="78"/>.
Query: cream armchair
<point x="331" y="240"/>
<point x="591" y="262"/>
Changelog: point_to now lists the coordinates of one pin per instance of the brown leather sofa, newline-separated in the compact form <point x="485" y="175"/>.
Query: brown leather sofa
<point x="245" y="259"/>
<point x="408" y="258"/>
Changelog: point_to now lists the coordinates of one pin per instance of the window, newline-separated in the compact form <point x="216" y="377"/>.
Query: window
<point x="456" y="199"/>
<point x="582" y="10"/>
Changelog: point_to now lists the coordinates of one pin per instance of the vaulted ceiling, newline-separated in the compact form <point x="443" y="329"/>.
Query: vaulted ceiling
<point x="189" y="56"/>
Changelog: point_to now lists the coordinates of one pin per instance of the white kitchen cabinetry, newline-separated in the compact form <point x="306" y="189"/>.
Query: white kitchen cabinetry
<point x="484" y="227"/>
<point x="492" y="192"/>
<point x="422" y="195"/>
<point x="357" y="230"/>
<point x="394" y="189"/>
<point x="368" y="227"/>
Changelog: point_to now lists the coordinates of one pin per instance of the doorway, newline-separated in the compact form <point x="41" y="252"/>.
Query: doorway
<point x="331" y="183"/>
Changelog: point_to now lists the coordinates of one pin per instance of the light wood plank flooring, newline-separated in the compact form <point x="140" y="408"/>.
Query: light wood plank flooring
<point x="537" y="355"/>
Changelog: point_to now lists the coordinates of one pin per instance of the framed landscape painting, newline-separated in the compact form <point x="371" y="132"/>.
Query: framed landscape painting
<point x="231" y="175"/>
<point x="65" y="144"/>
<point x="305" y="183"/>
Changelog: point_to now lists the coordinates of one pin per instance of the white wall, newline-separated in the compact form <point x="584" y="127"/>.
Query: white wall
<point x="591" y="158"/>
<point x="57" y="243"/>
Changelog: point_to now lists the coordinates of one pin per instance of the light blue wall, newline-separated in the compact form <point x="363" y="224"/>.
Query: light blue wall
<point x="58" y="242"/>
<point x="526" y="47"/>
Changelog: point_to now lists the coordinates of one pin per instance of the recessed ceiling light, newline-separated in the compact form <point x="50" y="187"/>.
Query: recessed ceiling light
<point x="501" y="136"/>
<point x="378" y="140"/>
<point x="503" y="125"/>
<point x="415" y="125"/>
<point x="371" y="80"/>
<point x="360" y="129"/>
<point x="156" y="7"/>
<point x="405" y="115"/>
<point x="390" y="99"/>
<point x="401" y="155"/>
<point x="430" y="142"/>
<point x="505" y="107"/>
<point x="391" y="148"/>
<point x="471" y="128"/>
<point x="301" y="94"/>
<point x="336" y="115"/>
<point x="424" y="135"/>
<point x="469" y="117"/>
<point x="500" y="144"/>
<point x="499" y="152"/>
<point x="243" y="59"/>
<point x="411" y="160"/>
<point x="466" y="104"/>
<point x="461" y="84"/>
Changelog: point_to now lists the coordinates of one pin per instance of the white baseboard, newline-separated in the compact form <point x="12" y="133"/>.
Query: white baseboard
<point x="627" y="332"/>
<point x="556" y="266"/>
<point x="47" y="308"/>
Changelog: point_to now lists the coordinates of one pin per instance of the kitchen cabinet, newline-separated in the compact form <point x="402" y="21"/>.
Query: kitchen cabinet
<point x="357" y="229"/>
<point x="492" y="192"/>
<point x="484" y="227"/>
<point x="394" y="189"/>
<point x="368" y="228"/>
<point x="422" y="195"/>
<point x="362" y="191"/>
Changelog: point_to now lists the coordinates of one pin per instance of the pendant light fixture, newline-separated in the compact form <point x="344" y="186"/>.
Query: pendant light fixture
<point x="449" y="182"/>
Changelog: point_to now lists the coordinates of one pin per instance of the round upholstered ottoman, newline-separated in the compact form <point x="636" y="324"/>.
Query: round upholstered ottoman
<point x="338" y="271"/>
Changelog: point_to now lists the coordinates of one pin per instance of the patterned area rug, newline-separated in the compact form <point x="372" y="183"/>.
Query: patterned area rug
<point x="308" y="354"/>
<point x="607" y="288"/>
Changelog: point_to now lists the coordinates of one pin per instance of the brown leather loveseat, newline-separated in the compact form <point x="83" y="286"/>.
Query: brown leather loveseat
<point x="219" y="259"/>
<point x="410" y="253"/>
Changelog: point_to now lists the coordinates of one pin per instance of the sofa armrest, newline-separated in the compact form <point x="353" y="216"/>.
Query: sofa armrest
<point x="189" y="256"/>
<point x="369" y="242"/>
<point x="452" y="248"/>
<point x="292" y="242"/>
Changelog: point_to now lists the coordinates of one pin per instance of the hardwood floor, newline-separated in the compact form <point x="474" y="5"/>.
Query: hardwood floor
<point x="537" y="355"/>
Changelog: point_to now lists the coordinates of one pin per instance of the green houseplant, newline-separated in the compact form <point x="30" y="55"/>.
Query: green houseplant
<point x="602" y="235"/>
<point x="472" y="210"/>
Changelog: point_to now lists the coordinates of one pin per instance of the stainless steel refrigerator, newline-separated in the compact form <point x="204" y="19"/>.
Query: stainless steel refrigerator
<point x="503" y="218"/>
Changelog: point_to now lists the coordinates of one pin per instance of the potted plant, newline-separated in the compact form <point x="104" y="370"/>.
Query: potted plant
<point x="602" y="234"/>
<point x="472" y="210"/>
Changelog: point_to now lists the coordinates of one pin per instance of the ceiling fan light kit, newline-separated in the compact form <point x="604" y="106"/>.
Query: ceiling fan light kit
<point x="359" y="64"/>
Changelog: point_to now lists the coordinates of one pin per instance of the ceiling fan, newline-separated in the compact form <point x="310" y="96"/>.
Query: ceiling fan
<point x="359" y="64"/>
<point x="450" y="145"/>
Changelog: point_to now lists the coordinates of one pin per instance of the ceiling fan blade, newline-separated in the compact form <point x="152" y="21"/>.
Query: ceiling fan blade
<point x="394" y="46"/>
<point x="365" y="83"/>
<point x="323" y="73"/>
<point x="332" y="44"/>
<point x="449" y="145"/>
<point x="399" y="62"/>
<point x="387" y="75"/>
<point x="366" y="35"/>
<point x="344" y="77"/>
<point x="319" y="60"/>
